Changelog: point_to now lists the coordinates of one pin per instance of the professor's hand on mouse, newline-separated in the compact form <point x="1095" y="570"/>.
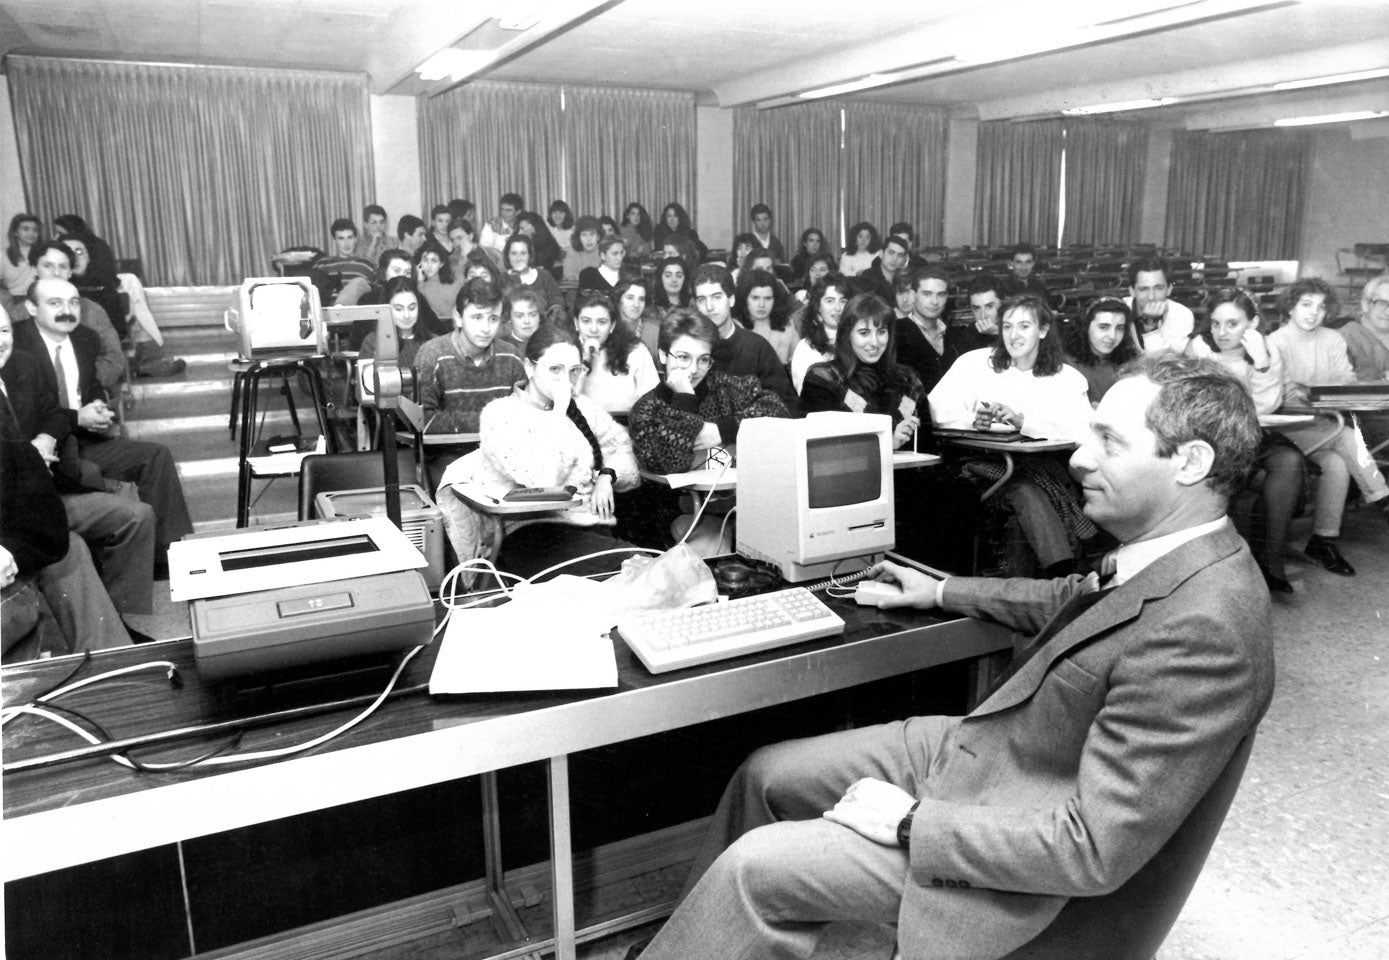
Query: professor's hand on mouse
<point x="918" y="589"/>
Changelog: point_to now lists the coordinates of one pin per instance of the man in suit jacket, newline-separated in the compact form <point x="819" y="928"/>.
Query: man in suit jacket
<point x="971" y="833"/>
<point x="54" y="335"/>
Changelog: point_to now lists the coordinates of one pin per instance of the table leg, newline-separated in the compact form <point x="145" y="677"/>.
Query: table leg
<point x="1007" y="475"/>
<point x="561" y="859"/>
<point x="288" y="392"/>
<point x="1340" y="422"/>
<point x="250" y="387"/>
<point x="508" y="924"/>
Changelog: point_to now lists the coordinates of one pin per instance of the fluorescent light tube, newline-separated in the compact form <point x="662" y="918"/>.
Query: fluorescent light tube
<point x="1332" y="118"/>
<point x="1119" y="106"/>
<point x="1336" y="78"/>
<point x="872" y="80"/>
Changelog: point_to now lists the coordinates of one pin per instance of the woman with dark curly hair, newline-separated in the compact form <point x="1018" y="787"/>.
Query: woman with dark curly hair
<point x="820" y="325"/>
<point x="860" y="248"/>
<point x="636" y="230"/>
<point x="813" y="244"/>
<point x="620" y="368"/>
<point x="675" y="222"/>
<point x="760" y="304"/>
<point x="1104" y="340"/>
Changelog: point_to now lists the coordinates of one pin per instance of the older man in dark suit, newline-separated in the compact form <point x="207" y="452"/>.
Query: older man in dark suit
<point x="67" y="353"/>
<point x="972" y="833"/>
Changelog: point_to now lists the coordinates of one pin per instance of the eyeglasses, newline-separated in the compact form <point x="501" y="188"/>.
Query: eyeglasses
<point x="703" y="362"/>
<point x="1379" y="304"/>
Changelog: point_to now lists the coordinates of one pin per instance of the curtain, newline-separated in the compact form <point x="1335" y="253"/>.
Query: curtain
<point x="789" y="159"/>
<point x="203" y="173"/>
<point x="1017" y="184"/>
<point x="894" y="167"/>
<point x="1239" y="195"/>
<point x="1106" y="165"/>
<point x="487" y="138"/>
<point x="624" y="146"/>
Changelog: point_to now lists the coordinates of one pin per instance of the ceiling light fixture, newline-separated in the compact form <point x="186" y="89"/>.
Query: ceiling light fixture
<point x="1337" y="78"/>
<point x="454" y="63"/>
<point x="1119" y="106"/>
<point x="863" y="83"/>
<point x="1332" y="118"/>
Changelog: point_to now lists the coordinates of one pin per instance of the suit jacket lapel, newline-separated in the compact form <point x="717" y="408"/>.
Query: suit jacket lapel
<point x="1125" y="603"/>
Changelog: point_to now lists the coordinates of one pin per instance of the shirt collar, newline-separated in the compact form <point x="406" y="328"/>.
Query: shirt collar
<point x="1132" y="558"/>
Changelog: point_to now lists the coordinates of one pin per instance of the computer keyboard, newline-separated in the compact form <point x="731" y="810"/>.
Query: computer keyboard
<point x="671" y="639"/>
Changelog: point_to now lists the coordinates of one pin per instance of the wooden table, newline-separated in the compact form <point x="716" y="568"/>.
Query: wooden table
<point x="85" y="811"/>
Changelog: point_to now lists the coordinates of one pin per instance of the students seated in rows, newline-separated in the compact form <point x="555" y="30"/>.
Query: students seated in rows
<point x="1163" y="323"/>
<point x="636" y="230"/>
<point x="760" y="305"/>
<point x="435" y="278"/>
<point x="671" y="289"/>
<point x="1022" y="276"/>
<point x="612" y="251"/>
<point x="1021" y="383"/>
<point x="524" y="316"/>
<point x="375" y="239"/>
<point x="519" y="256"/>
<point x="548" y="256"/>
<point x="761" y="216"/>
<point x="860" y="250"/>
<point x="864" y="376"/>
<point x="682" y="249"/>
<point x="461" y="373"/>
<point x="397" y="263"/>
<point x="738" y="350"/>
<point x="620" y="369"/>
<point x="643" y="324"/>
<point x="66" y="352"/>
<point x="559" y="219"/>
<point x="343" y="265"/>
<point x="1367" y="342"/>
<point x="40" y="464"/>
<point x="698" y="406"/>
<point x="498" y="228"/>
<point x="1311" y="353"/>
<point x="410" y="233"/>
<point x="813" y="244"/>
<point x="675" y="223"/>
<point x="925" y="342"/>
<point x="1231" y="336"/>
<point x="583" y="248"/>
<point x="817" y="268"/>
<point x="878" y="277"/>
<point x="819" y="325"/>
<point x="1102" y="342"/>
<point x="543" y="433"/>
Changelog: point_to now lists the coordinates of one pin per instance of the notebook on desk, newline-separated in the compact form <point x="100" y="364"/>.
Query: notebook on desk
<point x="1373" y="392"/>
<point x="994" y="436"/>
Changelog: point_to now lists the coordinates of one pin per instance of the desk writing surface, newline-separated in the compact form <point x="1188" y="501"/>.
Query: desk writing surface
<point x="101" y="809"/>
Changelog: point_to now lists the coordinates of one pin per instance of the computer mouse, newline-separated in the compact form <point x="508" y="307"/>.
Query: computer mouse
<point x="733" y="573"/>
<point x="871" y="593"/>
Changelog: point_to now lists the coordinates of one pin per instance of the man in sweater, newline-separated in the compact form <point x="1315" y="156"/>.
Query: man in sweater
<point x="761" y="215"/>
<point x="925" y="342"/>
<point x="461" y="372"/>
<point x="738" y="350"/>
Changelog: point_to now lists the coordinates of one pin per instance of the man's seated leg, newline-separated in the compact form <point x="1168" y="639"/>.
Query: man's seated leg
<point x="1045" y="532"/>
<point x="80" y="602"/>
<point x="122" y="532"/>
<point x="150" y="466"/>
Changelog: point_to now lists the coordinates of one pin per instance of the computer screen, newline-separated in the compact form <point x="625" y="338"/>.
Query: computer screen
<point x="815" y="495"/>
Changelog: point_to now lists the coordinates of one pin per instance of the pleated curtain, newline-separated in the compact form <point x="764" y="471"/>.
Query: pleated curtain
<point x="790" y="159"/>
<point x="894" y="167"/>
<point x="1018" y="182"/>
<point x="623" y="146"/>
<point x="203" y="173"/>
<point x="1238" y="195"/>
<point x="1106" y="167"/>
<point x="487" y="138"/>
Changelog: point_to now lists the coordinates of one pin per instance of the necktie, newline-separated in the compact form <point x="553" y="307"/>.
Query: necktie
<point x="62" y="376"/>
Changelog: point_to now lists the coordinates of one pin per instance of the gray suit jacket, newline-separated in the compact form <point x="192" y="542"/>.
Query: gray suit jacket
<point x="1079" y="768"/>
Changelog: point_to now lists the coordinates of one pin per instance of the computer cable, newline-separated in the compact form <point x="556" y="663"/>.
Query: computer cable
<point x="724" y="464"/>
<point x="171" y="672"/>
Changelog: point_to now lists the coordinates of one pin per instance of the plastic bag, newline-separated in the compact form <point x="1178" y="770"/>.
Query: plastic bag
<point x="676" y="578"/>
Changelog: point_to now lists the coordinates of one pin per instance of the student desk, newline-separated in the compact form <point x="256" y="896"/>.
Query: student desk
<point x="718" y="479"/>
<point x="87" y="810"/>
<point x="1006" y="449"/>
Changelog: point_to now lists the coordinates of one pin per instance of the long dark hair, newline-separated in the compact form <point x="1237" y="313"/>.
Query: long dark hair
<point x="1077" y="335"/>
<point x="546" y="249"/>
<point x="870" y="308"/>
<point x="546" y="336"/>
<point x="750" y="280"/>
<point x="620" y="340"/>
<point x="875" y="242"/>
<point x="585" y="224"/>
<point x="807" y="234"/>
<point x="1242" y="301"/>
<point x="682" y="219"/>
<point x="568" y="222"/>
<point x="643" y="222"/>
<point x="658" y="295"/>
<point x="812" y="328"/>
<point x="741" y="240"/>
<point x="1049" y="359"/>
<point x="12" y="249"/>
<point x="520" y="240"/>
<point x="435" y="247"/>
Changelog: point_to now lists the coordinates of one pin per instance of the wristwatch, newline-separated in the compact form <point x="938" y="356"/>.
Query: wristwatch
<point x="608" y="472"/>
<point x="904" y="827"/>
